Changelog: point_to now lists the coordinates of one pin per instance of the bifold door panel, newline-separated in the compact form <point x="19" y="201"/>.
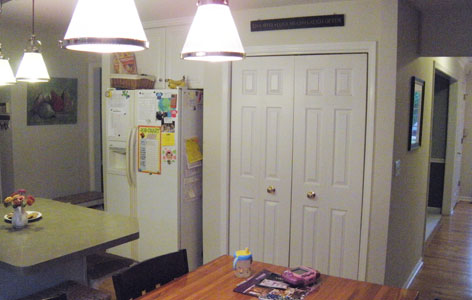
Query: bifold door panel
<point x="260" y="157"/>
<point x="328" y="161"/>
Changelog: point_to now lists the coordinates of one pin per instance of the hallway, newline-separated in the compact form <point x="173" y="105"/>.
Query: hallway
<point x="447" y="268"/>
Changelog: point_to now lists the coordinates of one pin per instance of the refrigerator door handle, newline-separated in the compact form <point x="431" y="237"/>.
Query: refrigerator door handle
<point x="133" y="158"/>
<point x="129" y="157"/>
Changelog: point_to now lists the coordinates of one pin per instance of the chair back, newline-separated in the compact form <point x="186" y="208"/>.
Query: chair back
<point x="146" y="275"/>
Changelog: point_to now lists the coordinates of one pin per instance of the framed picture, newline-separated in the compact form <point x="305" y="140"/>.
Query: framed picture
<point x="53" y="102"/>
<point x="416" y="113"/>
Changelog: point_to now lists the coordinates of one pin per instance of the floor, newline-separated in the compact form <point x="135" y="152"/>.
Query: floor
<point x="432" y="219"/>
<point x="107" y="286"/>
<point x="447" y="270"/>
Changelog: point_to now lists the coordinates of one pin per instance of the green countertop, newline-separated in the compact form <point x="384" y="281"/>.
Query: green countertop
<point x="64" y="231"/>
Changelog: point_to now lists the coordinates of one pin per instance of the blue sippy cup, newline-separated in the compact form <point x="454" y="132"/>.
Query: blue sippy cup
<point x="242" y="263"/>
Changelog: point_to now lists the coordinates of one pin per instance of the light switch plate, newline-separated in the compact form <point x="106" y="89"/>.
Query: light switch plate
<point x="397" y="167"/>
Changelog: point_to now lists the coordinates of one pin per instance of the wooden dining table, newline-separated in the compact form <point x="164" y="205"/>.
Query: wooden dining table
<point x="216" y="281"/>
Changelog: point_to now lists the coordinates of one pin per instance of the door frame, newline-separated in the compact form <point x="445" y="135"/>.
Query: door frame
<point x="452" y="118"/>
<point x="369" y="48"/>
<point x="92" y="122"/>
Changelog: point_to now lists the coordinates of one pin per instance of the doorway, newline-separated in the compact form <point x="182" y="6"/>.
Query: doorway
<point x="438" y="151"/>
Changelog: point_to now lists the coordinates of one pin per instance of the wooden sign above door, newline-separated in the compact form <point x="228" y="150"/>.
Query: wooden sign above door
<point x="297" y="23"/>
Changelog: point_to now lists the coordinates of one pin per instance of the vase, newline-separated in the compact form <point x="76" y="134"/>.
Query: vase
<point x="20" y="218"/>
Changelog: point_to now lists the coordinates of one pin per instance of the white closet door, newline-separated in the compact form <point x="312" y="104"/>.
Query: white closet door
<point x="261" y="157"/>
<point x="328" y="160"/>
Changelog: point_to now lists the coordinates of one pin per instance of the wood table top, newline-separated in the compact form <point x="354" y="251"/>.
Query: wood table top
<point x="65" y="230"/>
<point x="216" y="280"/>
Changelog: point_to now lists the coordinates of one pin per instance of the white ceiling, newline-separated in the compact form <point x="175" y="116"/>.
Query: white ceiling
<point x="57" y="13"/>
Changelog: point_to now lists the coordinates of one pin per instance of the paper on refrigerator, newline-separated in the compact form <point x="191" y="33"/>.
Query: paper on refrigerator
<point x="149" y="149"/>
<point x="118" y="115"/>
<point x="192" y="150"/>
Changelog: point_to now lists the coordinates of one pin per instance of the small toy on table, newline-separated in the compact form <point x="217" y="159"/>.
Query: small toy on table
<point x="301" y="276"/>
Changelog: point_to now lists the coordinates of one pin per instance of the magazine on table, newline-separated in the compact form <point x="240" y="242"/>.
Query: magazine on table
<point x="267" y="285"/>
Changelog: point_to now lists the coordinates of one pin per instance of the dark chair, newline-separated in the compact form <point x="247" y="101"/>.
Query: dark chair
<point x="146" y="275"/>
<point x="62" y="296"/>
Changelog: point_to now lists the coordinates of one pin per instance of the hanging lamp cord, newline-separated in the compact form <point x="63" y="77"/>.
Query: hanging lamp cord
<point x="32" y="26"/>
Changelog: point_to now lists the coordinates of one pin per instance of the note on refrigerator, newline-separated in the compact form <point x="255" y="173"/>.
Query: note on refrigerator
<point x="168" y="139"/>
<point x="146" y="110"/>
<point x="117" y="123"/>
<point x="192" y="149"/>
<point x="118" y="116"/>
<point x="149" y="149"/>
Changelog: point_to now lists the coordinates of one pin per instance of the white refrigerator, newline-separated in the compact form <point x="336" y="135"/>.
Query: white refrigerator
<point x="153" y="169"/>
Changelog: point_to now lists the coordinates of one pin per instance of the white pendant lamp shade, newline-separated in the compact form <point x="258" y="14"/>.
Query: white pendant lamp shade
<point x="32" y="68"/>
<point x="105" y="26"/>
<point x="6" y="73"/>
<point x="213" y="35"/>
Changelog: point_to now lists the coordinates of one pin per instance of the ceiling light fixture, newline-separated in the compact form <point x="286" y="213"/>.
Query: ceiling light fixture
<point x="105" y="26"/>
<point x="6" y="73"/>
<point x="32" y="67"/>
<point x="213" y="35"/>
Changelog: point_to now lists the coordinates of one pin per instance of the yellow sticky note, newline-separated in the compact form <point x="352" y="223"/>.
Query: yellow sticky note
<point x="193" y="150"/>
<point x="168" y="139"/>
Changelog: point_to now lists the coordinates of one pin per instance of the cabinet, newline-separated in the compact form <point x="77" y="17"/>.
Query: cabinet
<point x="162" y="59"/>
<point x="153" y="60"/>
<point x="297" y="160"/>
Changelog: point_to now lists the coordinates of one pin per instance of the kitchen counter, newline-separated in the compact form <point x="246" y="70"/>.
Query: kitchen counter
<point x="53" y="249"/>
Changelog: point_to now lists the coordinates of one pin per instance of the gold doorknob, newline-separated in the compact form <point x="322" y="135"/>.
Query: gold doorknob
<point x="271" y="189"/>
<point x="311" y="195"/>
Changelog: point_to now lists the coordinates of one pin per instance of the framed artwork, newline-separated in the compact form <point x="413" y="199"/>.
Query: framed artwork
<point x="416" y="113"/>
<point x="53" y="102"/>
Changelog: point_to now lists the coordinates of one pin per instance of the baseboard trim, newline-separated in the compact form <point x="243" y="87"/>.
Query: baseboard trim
<point x="465" y="198"/>
<point x="434" y="210"/>
<point x="413" y="274"/>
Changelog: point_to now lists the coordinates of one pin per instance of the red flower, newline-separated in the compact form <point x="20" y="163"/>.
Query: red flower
<point x="30" y="200"/>
<point x="18" y="200"/>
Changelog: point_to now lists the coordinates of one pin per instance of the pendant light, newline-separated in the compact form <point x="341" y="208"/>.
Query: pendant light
<point x="213" y="35"/>
<point x="32" y="67"/>
<point x="105" y="26"/>
<point x="6" y="73"/>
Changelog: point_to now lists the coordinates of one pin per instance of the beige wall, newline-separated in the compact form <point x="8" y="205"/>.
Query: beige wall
<point x="50" y="160"/>
<point x="373" y="20"/>
<point x="409" y="188"/>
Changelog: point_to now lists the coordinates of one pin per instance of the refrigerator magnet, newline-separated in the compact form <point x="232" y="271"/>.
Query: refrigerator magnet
<point x="169" y="155"/>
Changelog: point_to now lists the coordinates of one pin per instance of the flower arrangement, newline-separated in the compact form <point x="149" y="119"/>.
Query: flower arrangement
<point x="18" y="198"/>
